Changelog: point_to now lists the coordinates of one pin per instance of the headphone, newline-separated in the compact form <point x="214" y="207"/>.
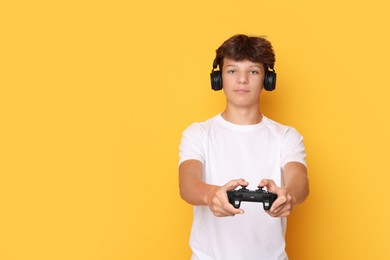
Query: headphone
<point x="216" y="78"/>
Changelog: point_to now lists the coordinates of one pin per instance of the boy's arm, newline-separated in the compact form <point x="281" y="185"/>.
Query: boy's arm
<point x="296" y="181"/>
<point x="196" y="192"/>
<point x="192" y="189"/>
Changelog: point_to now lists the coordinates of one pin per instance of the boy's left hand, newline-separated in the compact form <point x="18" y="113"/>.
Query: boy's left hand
<point x="283" y="205"/>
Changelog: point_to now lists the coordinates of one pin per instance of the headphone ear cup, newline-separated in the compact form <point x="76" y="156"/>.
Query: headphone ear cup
<point x="216" y="80"/>
<point x="269" y="80"/>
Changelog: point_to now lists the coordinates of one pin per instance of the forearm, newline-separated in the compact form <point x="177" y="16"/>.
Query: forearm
<point x="192" y="188"/>
<point x="296" y="182"/>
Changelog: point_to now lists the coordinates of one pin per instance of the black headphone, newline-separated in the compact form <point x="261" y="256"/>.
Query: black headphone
<point x="216" y="78"/>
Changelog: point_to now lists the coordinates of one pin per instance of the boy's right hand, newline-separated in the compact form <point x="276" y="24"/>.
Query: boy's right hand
<point x="218" y="202"/>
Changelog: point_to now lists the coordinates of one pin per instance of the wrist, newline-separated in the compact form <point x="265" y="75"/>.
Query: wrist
<point x="295" y="199"/>
<point x="210" y="192"/>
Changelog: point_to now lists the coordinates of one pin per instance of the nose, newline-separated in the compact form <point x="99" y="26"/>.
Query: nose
<point x="242" y="78"/>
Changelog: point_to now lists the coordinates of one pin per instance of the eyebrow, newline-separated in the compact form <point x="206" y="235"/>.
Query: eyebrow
<point x="231" y="65"/>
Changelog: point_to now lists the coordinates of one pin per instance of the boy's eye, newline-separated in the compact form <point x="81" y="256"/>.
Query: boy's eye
<point x="231" y="71"/>
<point x="254" y="72"/>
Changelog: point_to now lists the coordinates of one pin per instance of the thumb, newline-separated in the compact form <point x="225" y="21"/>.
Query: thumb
<point x="269" y="184"/>
<point x="231" y="185"/>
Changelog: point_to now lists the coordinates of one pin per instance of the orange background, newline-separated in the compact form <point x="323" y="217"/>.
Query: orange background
<point x="94" y="96"/>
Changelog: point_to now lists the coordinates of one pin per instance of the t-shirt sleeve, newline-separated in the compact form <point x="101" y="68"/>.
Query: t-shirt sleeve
<point x="191" y="145"/>
<point x="292" y="147"/>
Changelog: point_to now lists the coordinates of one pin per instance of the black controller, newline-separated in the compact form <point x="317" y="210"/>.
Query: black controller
<point x="260" y="195"/>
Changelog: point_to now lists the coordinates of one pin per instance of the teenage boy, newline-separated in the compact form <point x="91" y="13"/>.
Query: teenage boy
<point x="241" y="147"/>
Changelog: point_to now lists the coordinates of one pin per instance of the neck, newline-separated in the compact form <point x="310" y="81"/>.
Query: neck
<point x="242" y="116"/>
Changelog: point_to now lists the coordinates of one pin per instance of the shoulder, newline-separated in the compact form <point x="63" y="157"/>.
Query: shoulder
<point x="200" y="128"/>
<point x="285" y="131"/>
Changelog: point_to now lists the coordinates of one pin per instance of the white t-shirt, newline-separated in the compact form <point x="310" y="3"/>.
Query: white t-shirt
<point x="253" y="152"/>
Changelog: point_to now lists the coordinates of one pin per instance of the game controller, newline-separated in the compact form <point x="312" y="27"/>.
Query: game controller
<point x="260" y="195"/>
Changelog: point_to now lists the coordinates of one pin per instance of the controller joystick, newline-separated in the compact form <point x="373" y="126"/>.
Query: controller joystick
<point x="260" y="195"/>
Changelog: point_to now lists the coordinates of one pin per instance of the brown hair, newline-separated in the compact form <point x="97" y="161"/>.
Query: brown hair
<point x="242" y="47"/>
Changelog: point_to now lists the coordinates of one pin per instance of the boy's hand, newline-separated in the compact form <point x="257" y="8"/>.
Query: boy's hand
<point x="218" y="201"/>
<point x="283" y="205"/>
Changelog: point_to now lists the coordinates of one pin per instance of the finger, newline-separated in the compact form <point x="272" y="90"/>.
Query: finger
<point x="217" y="208"/>
<point x="283" y="207"/>
<point x="281" y="214"/>
<point x="233" y="184"/>
<point x="221" y="205"/>
<point x="269" y="184"/>
<point x="222" y="210"/>
<point x="227" y="206"/>
<point x="278" y="204"/>
<point x="242" y="182"/>
<point x="232" y="210"/>
<point x="282" y="199"/>
<point x="264" y="182"/>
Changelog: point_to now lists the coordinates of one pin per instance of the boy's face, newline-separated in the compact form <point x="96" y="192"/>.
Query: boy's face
<point x="242" y="82"/>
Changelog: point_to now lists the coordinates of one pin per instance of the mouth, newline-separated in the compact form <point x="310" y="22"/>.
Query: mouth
<point x="241" y="91"/>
